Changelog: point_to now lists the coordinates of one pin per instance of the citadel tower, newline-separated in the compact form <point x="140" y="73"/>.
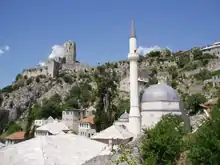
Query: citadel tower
<point x="70" y="52"/>
<point x="134" y="116"/>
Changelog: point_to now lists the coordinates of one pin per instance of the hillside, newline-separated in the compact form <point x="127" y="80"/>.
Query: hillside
<point x="106" y="86"/>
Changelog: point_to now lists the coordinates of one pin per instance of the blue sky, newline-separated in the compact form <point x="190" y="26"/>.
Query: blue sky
<point x="100" y="28"/>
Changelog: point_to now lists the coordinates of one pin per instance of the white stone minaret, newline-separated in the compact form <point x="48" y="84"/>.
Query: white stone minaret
<point x="134" y="116"/>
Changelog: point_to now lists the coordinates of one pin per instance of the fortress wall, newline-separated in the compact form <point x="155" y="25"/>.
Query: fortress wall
<point x="35" y="72"/>
<point x="77" y="67"/>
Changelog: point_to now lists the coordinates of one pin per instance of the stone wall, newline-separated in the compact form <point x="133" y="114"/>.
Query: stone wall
<point x="34" y="72"/>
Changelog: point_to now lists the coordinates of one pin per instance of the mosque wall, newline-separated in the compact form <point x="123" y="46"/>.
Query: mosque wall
<point x="160" y="105"/>
<point x="153" y="111"/>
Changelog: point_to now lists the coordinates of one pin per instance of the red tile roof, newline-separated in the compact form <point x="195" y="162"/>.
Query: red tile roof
<point x="16" y="136"/>
<point x="89" y="119"/>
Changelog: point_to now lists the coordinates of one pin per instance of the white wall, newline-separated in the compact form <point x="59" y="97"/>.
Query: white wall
<point x="153" y="111"/>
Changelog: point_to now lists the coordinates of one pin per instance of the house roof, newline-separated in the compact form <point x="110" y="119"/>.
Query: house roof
<point x="89" y="119"/>
<point x="54" y="128"/>
<point x="65" y="149"/>
<point x="2" y="145"/>
<point x="16" y="136"/>
<point x="114" y="132"/>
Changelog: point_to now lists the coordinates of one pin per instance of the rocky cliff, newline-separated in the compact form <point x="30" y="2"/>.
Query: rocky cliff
<point x="16" y="98"/>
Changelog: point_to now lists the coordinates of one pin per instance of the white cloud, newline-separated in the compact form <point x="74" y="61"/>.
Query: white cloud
<point x="7" y="48"/>
<point x="145" y="50"/>
<point x="41" y="63"/>
<point x="4" y="49"/>
<point x="1" y="52"/>
<point x="57" y="51"/>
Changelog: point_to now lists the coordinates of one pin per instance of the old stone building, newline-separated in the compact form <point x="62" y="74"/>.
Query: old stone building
<point x="52" y="66"/>
<point x="212" y="49"/>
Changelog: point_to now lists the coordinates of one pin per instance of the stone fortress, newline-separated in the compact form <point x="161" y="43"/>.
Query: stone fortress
<point x="52" y="66"/>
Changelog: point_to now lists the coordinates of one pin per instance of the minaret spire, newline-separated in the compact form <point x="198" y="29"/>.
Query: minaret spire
<point x="134" y="115"/>
<point x="133" y="33"/>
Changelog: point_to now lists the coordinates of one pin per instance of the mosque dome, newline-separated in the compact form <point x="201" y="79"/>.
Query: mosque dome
<point x="160" y="92"/>
<point x="125" y="115"/>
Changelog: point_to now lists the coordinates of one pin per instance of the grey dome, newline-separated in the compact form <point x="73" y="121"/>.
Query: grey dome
<point x="124" y="116"/>
<point x="160" y="92"/>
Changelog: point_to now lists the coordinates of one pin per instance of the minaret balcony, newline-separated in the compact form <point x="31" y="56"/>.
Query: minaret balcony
<point x="133" y="56"/>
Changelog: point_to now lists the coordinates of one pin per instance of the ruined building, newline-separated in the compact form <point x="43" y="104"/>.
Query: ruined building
<point x="52" y="66"/>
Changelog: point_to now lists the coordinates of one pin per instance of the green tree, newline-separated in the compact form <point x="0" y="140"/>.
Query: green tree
<point x="163" y="144"/>
<point x="19" y="76"/>
<point x="106" y="80"/>
<point x="13" y="127"/>
<point x="204" y="146"/>
<point x="192" y="103"/>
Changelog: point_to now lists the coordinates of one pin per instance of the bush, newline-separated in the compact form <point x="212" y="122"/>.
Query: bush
<point x="164" y="142"/>
<point x="204" y="147"/>
<point x="192" y="103"/>
<point x="29" y="81"/>
<point x="68" y="78"/>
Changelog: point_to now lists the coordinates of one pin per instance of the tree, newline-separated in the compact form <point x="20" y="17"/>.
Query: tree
<point x="13" y="127"/>
<point x="163" y="144"/>
<point x="19" y="76"/>
<point x="204" y="147"/>
<point x="193" y="102"/>
<point x="106" y="80"/>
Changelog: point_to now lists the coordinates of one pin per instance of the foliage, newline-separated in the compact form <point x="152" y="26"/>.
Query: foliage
<point x="19" y="76"/>
<point x="182" y="60"/>
<point x="216" y="73"/>
<point x="172" y="70"/>
<point x="80" y="96"/>
<point x="13" y="127"/>
<point x="164" y="142"/>
<point x="204" y="147"/>
<point x="125" y="156"/>
<point x="192" y="103"/>
<point x="106" y="80"/>
<point x="68" y="78"/>
<point x="203" y="75"/>
<point x="154" y="54"/>
<point x="50" y="107"/>
<point x="7" y="89"/>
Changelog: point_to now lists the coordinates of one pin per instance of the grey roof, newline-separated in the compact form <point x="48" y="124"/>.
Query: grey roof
<point x="124" y="116"/>
<point x="133" y="33"/>
<point x="160" y="92"/>
<point x="2" y="145"/>
<point x="50" y="150"/>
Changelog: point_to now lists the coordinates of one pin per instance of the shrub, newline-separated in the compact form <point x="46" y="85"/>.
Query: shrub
<point x="164" y="142"/>
<point x="204" y="147"/>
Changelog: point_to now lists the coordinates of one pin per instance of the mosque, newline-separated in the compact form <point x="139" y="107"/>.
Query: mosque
<point x="157" y="100"/>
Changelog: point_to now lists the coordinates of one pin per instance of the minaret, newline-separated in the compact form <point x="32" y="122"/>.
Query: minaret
<point x="134" y="116"/>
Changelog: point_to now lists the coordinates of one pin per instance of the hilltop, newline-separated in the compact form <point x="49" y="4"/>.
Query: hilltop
<point x="190" y="72"/>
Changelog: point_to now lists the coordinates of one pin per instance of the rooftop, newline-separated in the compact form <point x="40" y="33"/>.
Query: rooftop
<point x="114" y="132"/>
<point x="16" y="136"/>
<point x="66" y="149"/>
<point x="89" y="119"/>
<point x="54" y="128"/>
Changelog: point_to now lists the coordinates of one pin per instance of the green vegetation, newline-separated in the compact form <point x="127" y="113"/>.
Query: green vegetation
<point x="12" y="127"/>
<point x="192" y="103"/>
<point x="106" y="80"/>
<point x="164" y="142"/>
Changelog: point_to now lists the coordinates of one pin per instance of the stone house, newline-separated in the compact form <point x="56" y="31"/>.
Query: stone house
<point x="87" y="126"/>
<point x="71" y="118"/>
<point x="41" y="122"/>
<point x="54" y="128"/>
<point x="14" y="138"/>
